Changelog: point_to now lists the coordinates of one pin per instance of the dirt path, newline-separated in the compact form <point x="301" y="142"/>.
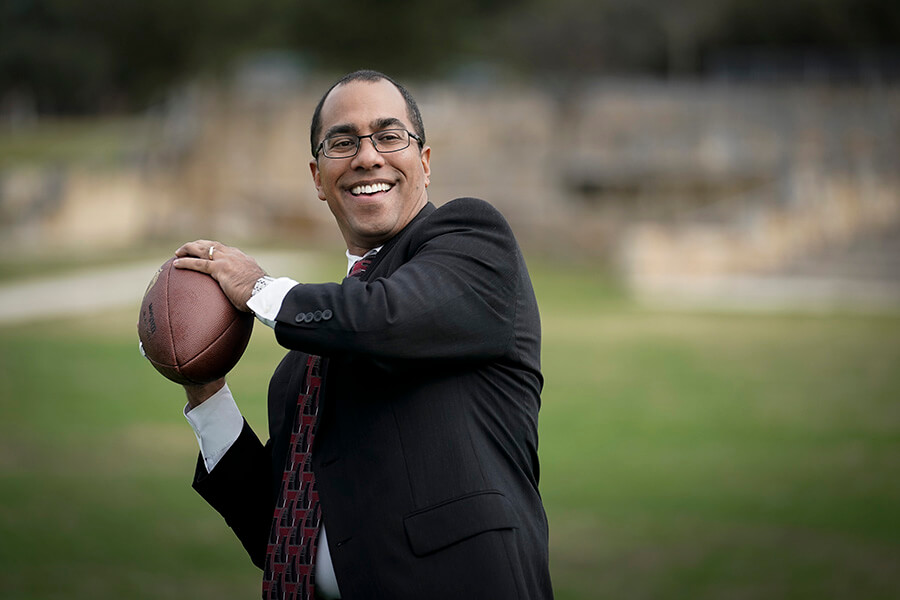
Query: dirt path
<point x="95" y="290"/>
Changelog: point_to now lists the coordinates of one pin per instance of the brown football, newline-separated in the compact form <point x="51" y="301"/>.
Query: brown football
<point x="188" y="328"/>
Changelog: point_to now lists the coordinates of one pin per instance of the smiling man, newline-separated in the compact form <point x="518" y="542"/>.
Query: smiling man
<point x="373" y="194"/>
<point x="402" y="452"/>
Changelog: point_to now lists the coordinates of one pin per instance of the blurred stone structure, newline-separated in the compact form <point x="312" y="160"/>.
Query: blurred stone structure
<point x="669" y="182"/>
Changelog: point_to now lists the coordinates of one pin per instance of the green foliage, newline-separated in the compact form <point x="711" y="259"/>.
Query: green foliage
<point x="89" y="55"/>
<point x="683" y="456"/>
<point x="834" y="24"/>
<point x="395" y="36"/>
<point x="68" y="56"/>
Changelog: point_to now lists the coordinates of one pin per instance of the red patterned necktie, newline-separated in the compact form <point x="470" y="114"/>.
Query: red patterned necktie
<point x="290" y="556"/>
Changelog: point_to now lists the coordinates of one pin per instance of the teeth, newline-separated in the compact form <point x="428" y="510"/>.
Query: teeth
<point x="370" y="189"/>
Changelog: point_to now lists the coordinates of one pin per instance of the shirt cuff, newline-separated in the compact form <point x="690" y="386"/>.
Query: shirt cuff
<point x="217" y="423"/>
<point x="266" y="303"/>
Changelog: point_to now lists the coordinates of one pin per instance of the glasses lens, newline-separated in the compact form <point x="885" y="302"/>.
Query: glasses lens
<point x="341" y="145"/>
<point x="391" y="140"/>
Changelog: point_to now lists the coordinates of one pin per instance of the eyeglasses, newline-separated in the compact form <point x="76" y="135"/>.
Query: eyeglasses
<point x="346" y="145"/>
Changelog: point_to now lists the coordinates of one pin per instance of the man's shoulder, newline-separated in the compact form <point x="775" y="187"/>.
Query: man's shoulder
<point x="470" y="212"/>
<point x="469" y="206"/>
<point x="462" y="216"/>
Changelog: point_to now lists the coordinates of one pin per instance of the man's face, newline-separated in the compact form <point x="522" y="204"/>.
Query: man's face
<point x="397" y="179"/>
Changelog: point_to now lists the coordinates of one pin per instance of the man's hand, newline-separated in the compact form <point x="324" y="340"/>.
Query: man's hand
<point x="235" y="271"/>
<point x="198" y="394"/>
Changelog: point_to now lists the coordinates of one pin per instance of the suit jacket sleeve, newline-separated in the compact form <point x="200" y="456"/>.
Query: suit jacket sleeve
<point x="453" y="296"/>
<point x="245" y="484"/>
<point x="239" y="489"/>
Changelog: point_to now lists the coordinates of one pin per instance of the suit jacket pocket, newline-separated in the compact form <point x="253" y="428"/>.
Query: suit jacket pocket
<point x="435" y="527"/>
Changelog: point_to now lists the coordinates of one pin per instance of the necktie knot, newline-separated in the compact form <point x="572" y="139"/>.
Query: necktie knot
<point x="359" y="267"/>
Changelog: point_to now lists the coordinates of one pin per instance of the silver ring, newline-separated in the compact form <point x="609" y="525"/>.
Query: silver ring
<point x="211" y="250"/>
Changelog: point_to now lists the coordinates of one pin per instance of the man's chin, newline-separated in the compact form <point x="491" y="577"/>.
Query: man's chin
<point x="368" y="236"/>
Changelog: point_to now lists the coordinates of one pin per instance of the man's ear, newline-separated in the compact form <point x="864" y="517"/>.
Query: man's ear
<point x="317" y="179"/>
<point x="426" y="163"/>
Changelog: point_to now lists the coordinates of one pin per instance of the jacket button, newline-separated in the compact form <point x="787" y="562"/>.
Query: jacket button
<point x="317" y="316"/>
<point x="301" y="318"/>
<point x="326" y="314"/>
<point x="310" y="317"/>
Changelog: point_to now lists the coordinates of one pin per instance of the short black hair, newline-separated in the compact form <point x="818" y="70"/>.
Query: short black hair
<point x="370" y="76"/>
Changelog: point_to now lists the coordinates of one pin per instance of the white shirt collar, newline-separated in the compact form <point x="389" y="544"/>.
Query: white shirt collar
<point x="352" y="258"/>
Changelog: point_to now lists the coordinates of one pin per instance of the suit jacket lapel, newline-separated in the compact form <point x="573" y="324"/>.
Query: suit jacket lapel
<point x="381" y="256"/>
<point x="283" y="412"/>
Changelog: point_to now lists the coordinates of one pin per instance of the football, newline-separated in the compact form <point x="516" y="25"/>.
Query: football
<point x="189" y="330"/>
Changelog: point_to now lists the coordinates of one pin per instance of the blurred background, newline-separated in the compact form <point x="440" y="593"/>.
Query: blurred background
<point x="707" y="193"/>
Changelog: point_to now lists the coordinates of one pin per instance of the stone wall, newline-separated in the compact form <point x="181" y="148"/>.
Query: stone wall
<point x="659" y="178"/>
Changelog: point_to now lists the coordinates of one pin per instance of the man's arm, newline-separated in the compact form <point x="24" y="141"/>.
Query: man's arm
<point x="232" y="472"/>
<point x="240" y="490"/>
<point x="455" y="298"/>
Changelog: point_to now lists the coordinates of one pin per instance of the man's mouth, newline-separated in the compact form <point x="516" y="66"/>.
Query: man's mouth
<point x="374" y="188"/>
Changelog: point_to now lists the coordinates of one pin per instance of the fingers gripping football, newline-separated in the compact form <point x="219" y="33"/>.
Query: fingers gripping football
<point x="235" y="271"/>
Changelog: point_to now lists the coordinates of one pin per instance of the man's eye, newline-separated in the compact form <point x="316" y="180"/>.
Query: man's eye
<point x="389" y="137"/>
<point x="342" y="142"/>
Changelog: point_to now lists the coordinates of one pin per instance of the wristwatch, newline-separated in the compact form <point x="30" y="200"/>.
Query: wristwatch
<point x="261" y="283"/>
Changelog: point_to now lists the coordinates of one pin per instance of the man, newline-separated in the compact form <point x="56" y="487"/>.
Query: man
<point x="417" y="380"/>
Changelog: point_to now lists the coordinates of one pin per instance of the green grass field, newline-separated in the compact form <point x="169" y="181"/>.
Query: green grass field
<point x="683" y="456"/>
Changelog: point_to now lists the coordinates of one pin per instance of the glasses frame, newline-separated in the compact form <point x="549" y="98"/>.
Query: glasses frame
<point x="360" y="138"/>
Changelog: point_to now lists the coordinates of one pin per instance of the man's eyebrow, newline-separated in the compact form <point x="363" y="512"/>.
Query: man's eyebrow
<point x="386" y="123"/>
<point x="376" y="125"/>
<point x="339" y="129"/>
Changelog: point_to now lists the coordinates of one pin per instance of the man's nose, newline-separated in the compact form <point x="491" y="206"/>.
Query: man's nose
<point x="367" y="156"/>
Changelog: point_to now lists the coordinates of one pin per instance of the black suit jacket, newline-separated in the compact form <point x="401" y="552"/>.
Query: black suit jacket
<point x="426" y="449"/>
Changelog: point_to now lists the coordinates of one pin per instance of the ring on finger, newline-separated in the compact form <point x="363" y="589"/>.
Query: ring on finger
<point x="211" y="250"/>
